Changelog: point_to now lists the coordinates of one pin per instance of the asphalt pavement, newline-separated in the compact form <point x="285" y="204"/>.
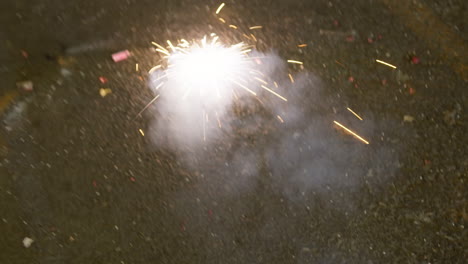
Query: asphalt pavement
<point x="85" y="179"/>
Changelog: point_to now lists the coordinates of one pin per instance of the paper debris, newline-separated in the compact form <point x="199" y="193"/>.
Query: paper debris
<point x="25" y="85"/>
<point x="408" y="118"/>
<point x="27" y="242"/>
<point x="104" y="91"/>
<point x="121" y="55"/>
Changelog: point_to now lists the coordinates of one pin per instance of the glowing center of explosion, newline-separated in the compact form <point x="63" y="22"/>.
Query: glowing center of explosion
<point x="209" y="71"/>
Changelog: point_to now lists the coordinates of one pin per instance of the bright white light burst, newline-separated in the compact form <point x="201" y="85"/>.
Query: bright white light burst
<point x="208" y="70"/>
<point x="203" y="77"/>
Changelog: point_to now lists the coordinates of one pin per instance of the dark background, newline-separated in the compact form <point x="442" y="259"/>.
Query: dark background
<point x="77" y="177"/>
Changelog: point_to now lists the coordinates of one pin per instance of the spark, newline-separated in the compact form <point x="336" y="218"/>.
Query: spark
<point x="276" y="84"/>
<point x="233" y="26"/>
<point x="339" y="63"/>
<point x="280" y="119"/>
<point x="253" y="36"/>
<point x="159" y="85"/>
<point x="152" y="101"/>
<point x="217" y="118"/>
<point x="255" y="27"/>
<point x="273" y="92"/>
<point x="244" y="87"/>
<point x="349" y="109"/>
<point x="291" y="78"/>
<point x="257" y="72"/>
<point x="235" y="95"/>
<point x="385" y="63"/>
<point x="159" y="46"/>
<point x="295" y="62"/>
<point x="219" y="8"/>
<point x="204" y="124"/>
<point x="222" y="20"/>
<point x="302" y="45"/>
<point x="154" y="68"/>
<point x="163" y="51"/>
<point x="141" y="132"/>
<point x="260" y="80"/>
<point x="171" y="46"/>
<point x="161" y="77"/>
<point x="351" y="132"/>
<point x="136" y="67"/>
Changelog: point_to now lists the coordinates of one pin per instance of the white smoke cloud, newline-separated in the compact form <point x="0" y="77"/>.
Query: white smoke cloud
<point x="303" y="154"/>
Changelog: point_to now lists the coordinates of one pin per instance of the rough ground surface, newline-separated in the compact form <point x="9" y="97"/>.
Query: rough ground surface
<point x="78" y="178"/>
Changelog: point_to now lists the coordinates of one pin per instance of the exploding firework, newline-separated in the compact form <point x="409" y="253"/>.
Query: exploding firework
<point x="208" y="76"/>
<point x="210" y="69"/>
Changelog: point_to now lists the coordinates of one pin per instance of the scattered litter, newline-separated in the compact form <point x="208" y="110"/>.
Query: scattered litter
<point x="121" y="55"/>
<point x="14" y="116"/>
<point x="65" y="72"/>
<point x="103" y="79"/>
<point x="408" y="118"/>
<point x="415" y="60"/>
<point x="104" y="91"/>
<point x="350" y="38"/>
<point x="25" y="85"/>
<point x="65" y="61"/>
<point x="24" y="54"/>
<point x="450" y="117"/>
<point x="401" y="77"/>
<point x="27" y="242"/>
